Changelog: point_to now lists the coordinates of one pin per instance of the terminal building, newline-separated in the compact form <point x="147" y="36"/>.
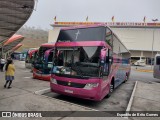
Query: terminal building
<point x="142" y="39"/>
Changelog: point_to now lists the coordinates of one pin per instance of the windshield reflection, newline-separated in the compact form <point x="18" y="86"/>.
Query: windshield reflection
<point x="77" y="61"/>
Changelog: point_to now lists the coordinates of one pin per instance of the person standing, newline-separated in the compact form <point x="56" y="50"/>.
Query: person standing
<point x="2" y="61"/>
<point x="9" y="76"/>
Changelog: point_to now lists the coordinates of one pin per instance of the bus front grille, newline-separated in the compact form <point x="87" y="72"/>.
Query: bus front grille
<point x="70" y="84"/>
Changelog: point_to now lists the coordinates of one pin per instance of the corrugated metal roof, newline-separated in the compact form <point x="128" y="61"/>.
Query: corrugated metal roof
<point x="13" y="14"/>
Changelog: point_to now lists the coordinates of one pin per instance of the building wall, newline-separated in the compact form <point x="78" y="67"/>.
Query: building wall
<point x="135" y="53"/>
<point x="149" y="53"/>
<point x="139" y="38"/>
<point x="143" y="53"/>
<point x="53" y="34"/>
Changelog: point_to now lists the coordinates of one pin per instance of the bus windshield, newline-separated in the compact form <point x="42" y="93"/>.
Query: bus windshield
<point x="41" y="53"/>
<point x="77" y="61"/>
<point x="34" y="57"/>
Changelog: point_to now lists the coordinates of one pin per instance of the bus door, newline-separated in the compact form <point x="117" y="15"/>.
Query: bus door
<point x="106" y="61"/>
<point x="157" y="67"/>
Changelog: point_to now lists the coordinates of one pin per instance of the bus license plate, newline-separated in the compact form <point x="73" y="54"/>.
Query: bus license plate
<point x="68" y="91"/>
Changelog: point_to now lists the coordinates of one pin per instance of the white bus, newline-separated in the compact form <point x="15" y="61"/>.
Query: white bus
<point x="138" y="60"/>
<point x="156" y="71"/>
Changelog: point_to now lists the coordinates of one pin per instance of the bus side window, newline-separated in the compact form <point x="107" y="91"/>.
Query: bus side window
<point x="158" y="60"/>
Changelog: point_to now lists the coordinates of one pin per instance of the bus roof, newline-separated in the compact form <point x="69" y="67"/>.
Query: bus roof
<point x="48" y="45"/>
<point x="32" y="52"/>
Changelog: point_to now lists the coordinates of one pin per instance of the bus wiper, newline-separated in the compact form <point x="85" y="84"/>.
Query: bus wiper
<point x="74" y="65"/>
<point x="77" y="69"/>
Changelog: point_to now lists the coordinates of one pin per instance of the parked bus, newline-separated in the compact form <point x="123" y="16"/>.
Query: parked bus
<point x="33" y="57"/>
<point x="29" y="59"/>
<point x="43" y="62"/>
<point x="89" y="62"/>
<point x="156" y="71"/>
<point x="138" y="60"/>
<point x="18" y="55"/>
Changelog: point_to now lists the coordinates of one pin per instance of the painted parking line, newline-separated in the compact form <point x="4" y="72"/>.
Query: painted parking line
<point x="131" y="99"/>
<point x="143" y="70"/>
<point x="40" y="92"/>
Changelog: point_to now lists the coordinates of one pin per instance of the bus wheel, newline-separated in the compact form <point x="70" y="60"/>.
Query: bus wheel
<point x="111" y="88"/>
<point x="34" y="76"/>
<point x="126" y="79"/>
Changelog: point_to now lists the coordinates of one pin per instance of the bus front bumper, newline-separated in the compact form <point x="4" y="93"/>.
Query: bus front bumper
<point x="39" y="76"/>
<point x="91" y="94"/>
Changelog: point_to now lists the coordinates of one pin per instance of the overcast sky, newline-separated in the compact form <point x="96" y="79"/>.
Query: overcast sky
<point x="96" y="10"/>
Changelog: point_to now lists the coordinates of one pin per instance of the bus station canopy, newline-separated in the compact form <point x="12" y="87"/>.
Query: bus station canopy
<point x="13" y="14"/>
<point x="12" y="42"/>
<point x="16" y="47"/>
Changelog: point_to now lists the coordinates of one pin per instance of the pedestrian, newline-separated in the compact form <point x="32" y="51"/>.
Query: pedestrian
<point x="9" y="76"/>
<point x="3" y="62"/>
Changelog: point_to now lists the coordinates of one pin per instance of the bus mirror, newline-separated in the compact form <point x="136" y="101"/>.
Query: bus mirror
<point x="103" y="55"/>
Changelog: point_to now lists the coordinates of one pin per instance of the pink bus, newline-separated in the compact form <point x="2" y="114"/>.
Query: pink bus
<point x="89" y="62"/>
<point x="43" y="62"/>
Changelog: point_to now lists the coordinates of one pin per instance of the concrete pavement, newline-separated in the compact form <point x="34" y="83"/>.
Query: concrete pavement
<point x="21" y="97"/>
<point x="147" y="97"/>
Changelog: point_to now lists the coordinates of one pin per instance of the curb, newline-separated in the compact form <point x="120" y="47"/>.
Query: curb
<point x="143" y="70"/>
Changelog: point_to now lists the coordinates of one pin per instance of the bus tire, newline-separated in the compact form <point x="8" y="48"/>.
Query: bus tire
<point x="34" y="76"/>
<point x="126" y="78"/>
<point x="111" y="88"/>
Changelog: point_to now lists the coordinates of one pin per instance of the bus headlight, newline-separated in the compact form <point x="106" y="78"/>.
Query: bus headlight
<point x="54" y="81"/>
<point x="91" y="85"/>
